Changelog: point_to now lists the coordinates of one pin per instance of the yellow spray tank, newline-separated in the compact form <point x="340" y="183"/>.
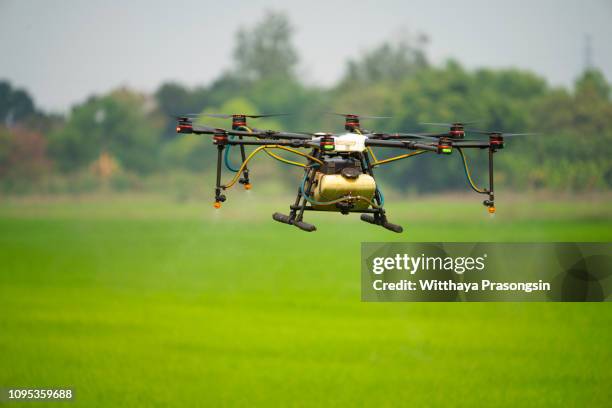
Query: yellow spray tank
<point x="350" y="181"/>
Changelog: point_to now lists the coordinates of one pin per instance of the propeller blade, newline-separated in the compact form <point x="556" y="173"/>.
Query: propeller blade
<point x="449" y="124"/>
<point x="267" y="115"/>
<point x="435" y="124"/>
<point x="490" y="133"/>
<point x="187" y="115"/>
<point x="519" y="134"/>
<point x="217" y="115"/>
<point x="358" y="116"/>
<point x="478" y="131"/>
<point x="231" y="115"/>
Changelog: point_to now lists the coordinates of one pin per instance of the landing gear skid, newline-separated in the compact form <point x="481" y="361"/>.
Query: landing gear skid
<point x="378" y="219"/>
<point x="286" y="219"/>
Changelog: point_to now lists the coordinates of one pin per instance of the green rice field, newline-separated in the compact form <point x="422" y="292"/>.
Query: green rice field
<point x="143" y="301"/>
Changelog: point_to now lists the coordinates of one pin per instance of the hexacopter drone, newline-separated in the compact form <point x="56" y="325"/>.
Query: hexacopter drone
<point x="338" y="172"/>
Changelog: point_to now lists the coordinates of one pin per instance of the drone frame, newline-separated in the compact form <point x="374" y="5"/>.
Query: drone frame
<point x="441" y="143"/>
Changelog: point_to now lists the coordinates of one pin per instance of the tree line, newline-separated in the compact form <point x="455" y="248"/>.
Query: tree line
<point x="125" y="133"/>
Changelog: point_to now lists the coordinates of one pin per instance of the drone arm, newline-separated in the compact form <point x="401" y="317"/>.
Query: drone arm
<point x="270" y="134"/>
<point x="205" y="130"/>
<point x="472" y="144"/>
<point x="264" y="142"/>
<point x="401" y="145"/>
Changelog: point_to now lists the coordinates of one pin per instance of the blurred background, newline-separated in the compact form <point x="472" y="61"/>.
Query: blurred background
<point x="88" y="91"/>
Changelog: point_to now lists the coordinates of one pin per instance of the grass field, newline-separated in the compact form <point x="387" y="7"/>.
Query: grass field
<point x="141" y="301"/>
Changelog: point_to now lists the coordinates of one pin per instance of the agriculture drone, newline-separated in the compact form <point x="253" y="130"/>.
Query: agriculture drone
<point x="338" y="172"/>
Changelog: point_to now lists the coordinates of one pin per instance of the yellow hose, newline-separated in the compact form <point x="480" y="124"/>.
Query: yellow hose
<point x="372" y="153"/>
<point x="339" y="200"/>
<point x="282" y="159"/>
<point x="468" y="174"/>
<point x="358" y="131"/>
<point x="259" y="149"/>
<point x="402" y="156"/>
<point x="275" y="156"/>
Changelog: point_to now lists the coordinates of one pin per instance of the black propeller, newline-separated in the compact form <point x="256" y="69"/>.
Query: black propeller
<point x="209" y="129"/>
<point x="453" y="124"/>
<point x="498" y="133"/>
<point x="232" y="115"/>
<point x="352" y="115"/>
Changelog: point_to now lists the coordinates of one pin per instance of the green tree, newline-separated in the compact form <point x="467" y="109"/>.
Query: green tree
<point x="593" y="83"/>
<point x="265" y="51"/>
<point x="16" y="105"/>
<point x="119" y="123"/>
<point x="174" y="99"/>
<point x="575" y="149"/>
<point x="446" y="94"/>
<point x="390" y="61"/>
<point x="23" y="156"/>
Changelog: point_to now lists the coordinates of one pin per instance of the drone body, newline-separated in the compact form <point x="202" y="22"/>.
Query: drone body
<point x="338" y="169"/>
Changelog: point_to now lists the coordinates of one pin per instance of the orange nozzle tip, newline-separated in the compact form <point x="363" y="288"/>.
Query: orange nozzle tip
<point x="491" y="210"/>
<point x="247" y="186"/>
<point x="217" y="204"/>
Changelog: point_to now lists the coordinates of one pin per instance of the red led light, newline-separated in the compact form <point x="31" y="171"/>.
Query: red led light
<point x="220" y="137"/>
<point x="496" y="141"/>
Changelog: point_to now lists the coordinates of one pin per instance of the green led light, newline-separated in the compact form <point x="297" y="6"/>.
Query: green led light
<point x="447" y="150"/>
<point x="328" y="147"/>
